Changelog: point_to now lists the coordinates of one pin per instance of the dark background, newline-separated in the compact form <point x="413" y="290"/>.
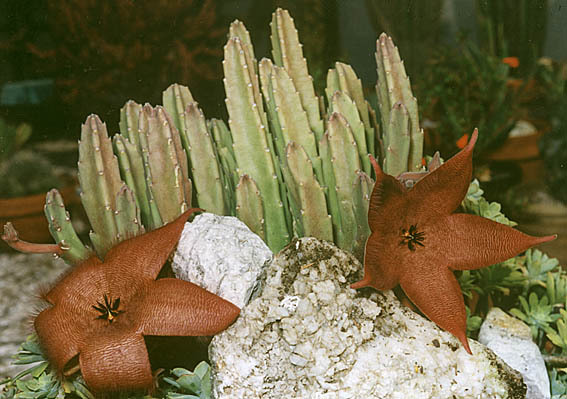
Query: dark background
<point x="92" y="56"/>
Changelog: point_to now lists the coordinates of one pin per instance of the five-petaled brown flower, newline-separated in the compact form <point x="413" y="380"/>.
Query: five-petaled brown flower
<point x="101" y="311"/>
<point x="417" y="240"/>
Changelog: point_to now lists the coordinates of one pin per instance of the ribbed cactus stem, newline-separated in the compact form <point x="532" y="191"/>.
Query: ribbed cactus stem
<point x="221" y="134"/>
<point x="342" y="104"/>
<point x="132" y="170"/>
<point x="205" y="169"/>
<point x="238" y="32"/>
<point x="345" y="163"/>
<point x="165" y="165"/>
<point x="129" y="152"/>
<point x="288" y="115"/>
<point x="265" y="69"/>
<point x="129" y="115"/>
<point x="224" y="144"/>
<point x="238" y="29"/>
<point x="127" y="215"/>
<point x="331" y="193"/>
<point x="100" y="181"/>
<point x="307" y="194"/>
<point x="62" y="230"/>
<point x="252" y="139"/>
<point x="344" y="78"/>
<point x="287" y="52"/>
<point x="249" y="205"/>
<point x="397" y="141"/>
<point x="379" y="145"/>
<point x="393" y="87"/>
<point x="175" y="100"/>
<point x="362" y="190"/>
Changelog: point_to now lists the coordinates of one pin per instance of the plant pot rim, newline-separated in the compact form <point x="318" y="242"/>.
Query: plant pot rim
<point x="518" y="148"/>
<point x="31" y="204"/>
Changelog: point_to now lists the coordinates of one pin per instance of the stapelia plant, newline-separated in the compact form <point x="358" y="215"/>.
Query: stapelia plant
<point x="417" y="240"/>
<point x="287" y="164"/>
<point x="99" y="313"/>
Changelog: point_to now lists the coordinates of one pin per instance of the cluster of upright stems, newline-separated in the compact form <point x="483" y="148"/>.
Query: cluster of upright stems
<point x="289" y="164"/>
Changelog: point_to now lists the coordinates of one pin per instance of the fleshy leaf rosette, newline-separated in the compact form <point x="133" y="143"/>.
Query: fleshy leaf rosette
<point x="418" y="240"/>
<point x="100" y="312"/>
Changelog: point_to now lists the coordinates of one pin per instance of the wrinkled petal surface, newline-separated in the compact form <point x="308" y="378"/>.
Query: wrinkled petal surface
<point x="466" y="242"/>
<point x="388" y="202"/>
<point x="417" y="241"/>
<point x="382" y="268"/>
<point x="81" y="286"/>
<point x="60" y="339"/>
<point x="438" y="295"/>
<point x="178" y="308"/>
<point x="116" y="360"/>
<point x="142" y="256"/>
<point x="100" y="311"/>
<point x="440" y="192"/>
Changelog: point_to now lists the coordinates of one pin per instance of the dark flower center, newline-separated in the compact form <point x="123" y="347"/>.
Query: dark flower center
<point x="412" y="238"/>
<point x="108" y="308"/>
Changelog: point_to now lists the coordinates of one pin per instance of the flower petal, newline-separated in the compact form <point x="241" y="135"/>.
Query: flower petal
<point x="142" y="256"/>
<point x="81" y="286"/>
<point x="381" y="264"/>
<point x="442" y="191"/>
<point x="465" y="242"/>
<point x="387" y="202"/>
<point x="178" y="308"/>
<point x="59" y="337"/>
<point x="116" y="360"/>
<point x="438" y="295"/>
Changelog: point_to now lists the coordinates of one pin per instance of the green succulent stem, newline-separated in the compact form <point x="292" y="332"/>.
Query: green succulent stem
<point x="61" y="229"/>
<point x="394" y="87"/>
<point x="253" y="148"/>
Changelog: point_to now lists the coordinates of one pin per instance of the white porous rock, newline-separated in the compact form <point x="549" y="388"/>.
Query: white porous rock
<point x="222" y="255"/>
<point x="511" y="339"/>
<point x="308" y="335"/>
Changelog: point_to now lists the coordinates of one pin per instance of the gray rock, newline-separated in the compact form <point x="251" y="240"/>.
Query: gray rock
<point x="308" y="335"/>
<point x="21" y="278"/>
<point x="511" y="340"/>
<point x="222" y="255"/>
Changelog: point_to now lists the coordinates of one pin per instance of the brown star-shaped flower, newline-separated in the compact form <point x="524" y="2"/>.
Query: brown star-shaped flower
<point x="417" y="240"/>
<point x="101" y="311"/>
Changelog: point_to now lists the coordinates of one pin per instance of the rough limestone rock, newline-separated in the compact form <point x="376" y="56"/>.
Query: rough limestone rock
<point x="222" y="255"/>
<point x="511" y="339"/>
<point x="308" y="335"/>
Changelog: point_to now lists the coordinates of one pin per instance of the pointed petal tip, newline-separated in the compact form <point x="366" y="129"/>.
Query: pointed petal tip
<point x="543" y="239"/>
<point x="225" y="318"/>
<point x="462" y="337"/>
<point x="377" y="168"/>
<point x="365" y="282"/>
<point x="472" y="141"/>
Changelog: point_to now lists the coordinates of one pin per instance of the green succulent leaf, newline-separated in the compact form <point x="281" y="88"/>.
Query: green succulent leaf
<point x="556" y="288"/>
<point x="558" y="382"/>
<point x="501" y="277"/>
<point x="476" y="204"/>
<point x="191" y="384"/>
<point x="537" y="265"/>
<point x="537" y="313"/>
<point x="468" y="282"/>
<point x="473" y="322"/>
